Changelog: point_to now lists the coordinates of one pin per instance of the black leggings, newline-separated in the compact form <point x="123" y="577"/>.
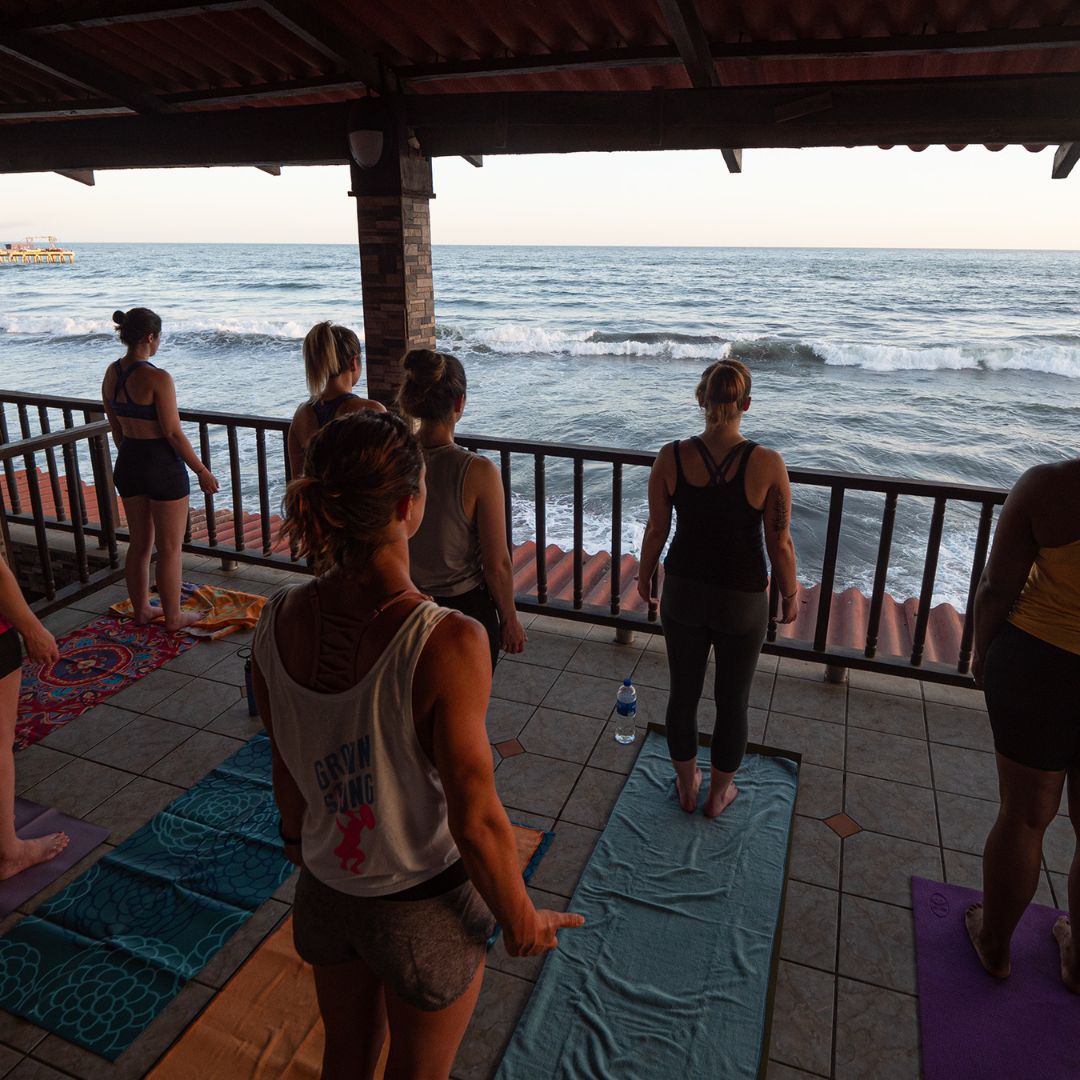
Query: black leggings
<point x="695" y="616"/>
<point x="478" y="604"/>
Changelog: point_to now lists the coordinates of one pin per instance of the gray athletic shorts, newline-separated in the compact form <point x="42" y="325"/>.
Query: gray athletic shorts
<point x="425" y="951"/>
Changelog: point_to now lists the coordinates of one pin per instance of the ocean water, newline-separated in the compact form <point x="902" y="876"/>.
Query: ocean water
<point x="945" y="365"/>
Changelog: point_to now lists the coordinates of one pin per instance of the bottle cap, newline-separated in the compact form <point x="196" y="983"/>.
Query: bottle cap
<point x="626" y="681"/>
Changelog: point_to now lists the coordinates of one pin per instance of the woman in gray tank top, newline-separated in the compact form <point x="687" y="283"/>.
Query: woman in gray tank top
<point x="374" y="699"/>
<point x="459" y="554"/>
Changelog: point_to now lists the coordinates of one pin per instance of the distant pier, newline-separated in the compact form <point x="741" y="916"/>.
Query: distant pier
<point x="31" y="250"/>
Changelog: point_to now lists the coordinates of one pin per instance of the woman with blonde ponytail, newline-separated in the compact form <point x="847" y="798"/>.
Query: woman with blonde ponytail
<point x="332" y="369"/>
<point x="374" y="699"/>
<point x="714" y="593"/>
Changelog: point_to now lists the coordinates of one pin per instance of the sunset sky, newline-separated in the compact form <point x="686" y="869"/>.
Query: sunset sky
<point x="820" y="198"/>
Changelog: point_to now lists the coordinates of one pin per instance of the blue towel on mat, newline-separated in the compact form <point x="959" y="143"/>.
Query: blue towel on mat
<point x="670" y="975"/>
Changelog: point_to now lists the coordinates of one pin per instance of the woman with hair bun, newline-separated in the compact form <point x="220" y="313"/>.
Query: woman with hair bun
<point x="152" y="450"/>
<point x="715" y="577"/>
<point x="332" y="369"/>
<point x="374" y="699"/>
<point x="459" y="554"/>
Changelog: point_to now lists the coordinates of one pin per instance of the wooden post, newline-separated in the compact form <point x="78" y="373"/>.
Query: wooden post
<point x="394" y="230"/>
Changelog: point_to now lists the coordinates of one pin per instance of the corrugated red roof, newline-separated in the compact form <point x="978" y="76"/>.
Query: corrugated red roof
<point x="849" y="612"/>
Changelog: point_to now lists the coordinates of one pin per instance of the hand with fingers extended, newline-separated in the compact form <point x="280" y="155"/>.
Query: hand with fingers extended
<point x="542" y="935"/>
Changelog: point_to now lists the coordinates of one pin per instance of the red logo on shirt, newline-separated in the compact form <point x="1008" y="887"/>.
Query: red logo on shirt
<point x="348" y="851"/>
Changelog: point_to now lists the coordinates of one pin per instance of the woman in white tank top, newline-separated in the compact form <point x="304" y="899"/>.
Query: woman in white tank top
<point x="382" y="768"/>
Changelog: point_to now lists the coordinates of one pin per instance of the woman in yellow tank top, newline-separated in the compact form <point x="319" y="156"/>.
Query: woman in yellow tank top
<point x="1027" y="659"/>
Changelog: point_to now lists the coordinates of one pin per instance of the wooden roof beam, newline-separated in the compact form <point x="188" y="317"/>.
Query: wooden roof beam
<point x="120" y="12"/>
<point x="1066" y="37"/>
<point x="318" y="32"/>
<point x="81" y="176"/>
<point x="57" y="60"/>
<point x="1067" y="155"/>
<point x="685" y="26"/>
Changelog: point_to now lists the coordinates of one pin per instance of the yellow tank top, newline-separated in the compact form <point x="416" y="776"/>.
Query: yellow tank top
<point x="1049" y="604"/>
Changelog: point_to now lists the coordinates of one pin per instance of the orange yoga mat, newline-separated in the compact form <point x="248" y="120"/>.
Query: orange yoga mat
<point x="264" y="1023"/>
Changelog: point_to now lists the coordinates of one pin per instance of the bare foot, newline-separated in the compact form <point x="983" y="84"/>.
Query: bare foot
<point x="146" y="616"/>
<point x="996" y="963"/>
<point x="1070" y="961"/>
<point x="29" y="853"/>
<point x="688" y="800"/>
<point x="714" y="807"/>
<point x="184" y="619"/>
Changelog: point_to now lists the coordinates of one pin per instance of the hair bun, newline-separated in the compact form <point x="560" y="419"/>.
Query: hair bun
<point x="424" y="365"/>
<point x="118" y="317"/>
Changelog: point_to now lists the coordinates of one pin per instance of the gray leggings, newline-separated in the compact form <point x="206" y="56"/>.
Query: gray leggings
<point x="695" y="616"/>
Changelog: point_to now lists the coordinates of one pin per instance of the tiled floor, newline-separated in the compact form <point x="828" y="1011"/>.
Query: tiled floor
<point x="908" y="764"/>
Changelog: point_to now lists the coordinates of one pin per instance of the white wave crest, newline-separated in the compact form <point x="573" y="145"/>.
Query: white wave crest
<point x="59" y="326"/>
<point x="896" y="357"/>
<point x="53" y="325"/>
<point x="518" y="339"/>
<point x="1049" y="359"/>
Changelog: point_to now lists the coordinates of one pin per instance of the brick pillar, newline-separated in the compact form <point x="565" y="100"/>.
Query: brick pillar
<point x="394" y="229"/>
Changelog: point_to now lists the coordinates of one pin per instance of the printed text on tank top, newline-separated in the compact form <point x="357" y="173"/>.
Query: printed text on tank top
<point x="130" y="410"/>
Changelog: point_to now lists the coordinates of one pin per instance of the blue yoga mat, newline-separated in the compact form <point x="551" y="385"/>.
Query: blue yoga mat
<point x="98" y="961"/>
<point x="670" y="975"/>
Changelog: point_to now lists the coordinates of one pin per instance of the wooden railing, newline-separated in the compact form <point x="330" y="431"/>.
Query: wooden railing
<point x="240" y="450"/>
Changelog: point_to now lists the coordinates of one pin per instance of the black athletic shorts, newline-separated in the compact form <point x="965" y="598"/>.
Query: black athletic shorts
<point x="1033" y="697"/>
<point x="150" y="468"/>
<point x="10" y="652"/>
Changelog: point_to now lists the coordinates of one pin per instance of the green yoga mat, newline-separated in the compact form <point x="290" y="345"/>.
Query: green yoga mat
<point x="671" y="974"/>
<point x="98" y="961"/>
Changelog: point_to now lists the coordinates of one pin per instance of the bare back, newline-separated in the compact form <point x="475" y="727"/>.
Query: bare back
<point x="141" y="387"/>
<point x="1051" y="498"/>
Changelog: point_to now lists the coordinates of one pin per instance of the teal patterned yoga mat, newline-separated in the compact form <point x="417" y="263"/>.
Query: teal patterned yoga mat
<point x="671" y="974"/>
<point x="98" y="961"/>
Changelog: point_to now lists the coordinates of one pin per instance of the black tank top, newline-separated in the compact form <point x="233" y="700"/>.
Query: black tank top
<point x="718" y="537"/>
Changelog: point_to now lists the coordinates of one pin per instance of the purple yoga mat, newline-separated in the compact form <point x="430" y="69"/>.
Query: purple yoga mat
<point x="33" y="820"/>
<point x="976" y="1027"/>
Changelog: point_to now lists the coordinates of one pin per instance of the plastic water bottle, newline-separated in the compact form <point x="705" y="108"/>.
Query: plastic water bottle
<point x="626" y="713"/>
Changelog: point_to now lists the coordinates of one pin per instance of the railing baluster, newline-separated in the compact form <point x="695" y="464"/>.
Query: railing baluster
<point x="926" y="593"/>
<point x="654" y="592"/>
<point x="828" y="567"/>
<point x="881" y="570"/>
<point x="69" y="422"/>
<point x="982" y="544"/>
<point x="74" y="487"/>
<point x="579" y="527"/>
<point x="774" y="607"/>
<point x="9" y="467"/>
<point x="264" y="490"/>
<point x="24" y="421"/>
<point x="237" y="494"/>
<point x="616" y="537"/>
<point x="208" y="500"/>
<point x="504" y="470"/>
<point x="102" y="470"/>
<point x="539" y="483"/>
<point x="40" y="535"/>
<point x="50" y="464"/>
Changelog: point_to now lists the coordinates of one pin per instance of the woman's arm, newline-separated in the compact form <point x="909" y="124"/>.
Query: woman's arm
<point x="40" y="644"/>
<point x="453" y="681"/>
<point x="778" y="542"/>
<point x="290" y="802"/>
<point x="1014" y="550"/>
<point x="661" y="488"/>
<point x="169" y="422"/>
<point x="494" y="551"/>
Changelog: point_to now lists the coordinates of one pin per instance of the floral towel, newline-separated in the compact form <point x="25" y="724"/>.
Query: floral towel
<point x="227" y="610"/>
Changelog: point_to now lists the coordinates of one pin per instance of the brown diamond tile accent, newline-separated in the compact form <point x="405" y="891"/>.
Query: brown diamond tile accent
<point x="843" y="825"/>
<point x="509" y="748"/>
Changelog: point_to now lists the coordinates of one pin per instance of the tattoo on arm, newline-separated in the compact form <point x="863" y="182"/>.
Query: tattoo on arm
<point x="780" y="514"/>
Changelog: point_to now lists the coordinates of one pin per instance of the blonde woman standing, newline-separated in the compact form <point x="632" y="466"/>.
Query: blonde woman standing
<point x="332" y="369"/>
<point x="715" y="584"/>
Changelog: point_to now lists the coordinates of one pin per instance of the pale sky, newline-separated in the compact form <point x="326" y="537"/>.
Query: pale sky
<point x="816" y="198"/>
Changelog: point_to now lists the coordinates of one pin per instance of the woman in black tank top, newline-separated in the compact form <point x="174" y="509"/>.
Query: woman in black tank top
<point x="723" y="489"/>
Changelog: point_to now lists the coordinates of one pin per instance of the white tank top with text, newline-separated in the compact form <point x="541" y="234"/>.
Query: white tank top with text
<point x="375" y="814"/>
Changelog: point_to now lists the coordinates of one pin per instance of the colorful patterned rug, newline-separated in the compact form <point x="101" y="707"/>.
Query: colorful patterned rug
<point x="99" y="960"/>
<point x="264" y="1024"/>
<point x="224" y="611"/>
<point x="96" y="661"/>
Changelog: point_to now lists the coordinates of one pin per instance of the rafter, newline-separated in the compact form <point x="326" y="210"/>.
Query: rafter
<point x="1066" y="156"/>
<point x="59" y="61"/>
<point x="119" y="12"/>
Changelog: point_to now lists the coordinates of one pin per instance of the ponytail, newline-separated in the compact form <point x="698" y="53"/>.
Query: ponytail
<point x="328" y="351"/>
